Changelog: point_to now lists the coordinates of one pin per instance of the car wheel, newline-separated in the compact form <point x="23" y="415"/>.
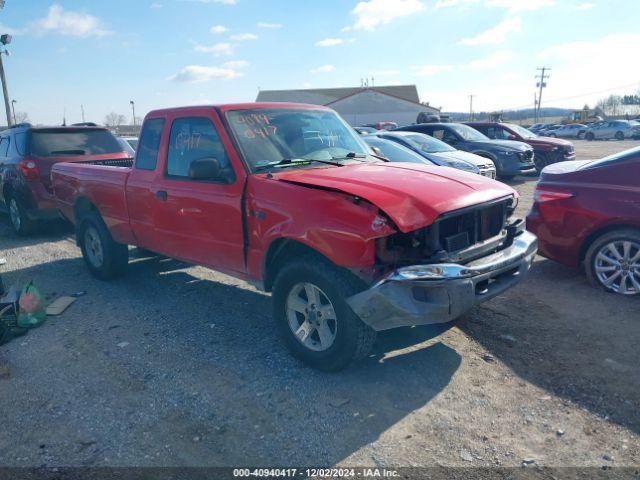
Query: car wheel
<point x="589" y="136"/>
<point x="541" y="160"/>
<point x="619" y="136"/>
<point x="613" y="262"/>
<point x="20" y="221"/>
<point x="314" y="319"/>
<point x="105" y="258"/>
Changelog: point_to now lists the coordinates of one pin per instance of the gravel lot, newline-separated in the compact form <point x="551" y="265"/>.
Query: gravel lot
<point x="180" y="366"/>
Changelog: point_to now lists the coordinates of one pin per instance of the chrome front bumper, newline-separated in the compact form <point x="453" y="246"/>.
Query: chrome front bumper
<point x="440" y="293"/>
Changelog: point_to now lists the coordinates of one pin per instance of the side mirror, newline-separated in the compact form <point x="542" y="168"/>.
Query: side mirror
<point x="206" y="169"/>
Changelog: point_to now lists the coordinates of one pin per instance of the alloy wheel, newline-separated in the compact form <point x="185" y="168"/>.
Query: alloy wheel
<point x="93" y="247"/>
<point x="617" y="266"/>
<point x="14" y="214"/>
<point x="311" y="317"/>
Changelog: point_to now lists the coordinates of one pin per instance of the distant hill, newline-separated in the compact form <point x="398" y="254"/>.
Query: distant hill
<point x="513" y="115"/>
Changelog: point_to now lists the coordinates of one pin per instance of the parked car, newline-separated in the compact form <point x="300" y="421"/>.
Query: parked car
<point x="394" y="152"/>
<point x="548" y="128"/>
<point x="132" y="141"/>
<point x="383" y="125"/>
<point x="440" y="153"/>
<point x="26" y="156"/>
<point x="587" y="213"/>
<point x="510" y="158"/>
<point x="615" y="129"/>
<point x="366" y="130"/>
<point x="547" y="150"/>
<point x="572" y="130"/>
<point x="348" y="244"/>
<point x="126" y="146"/>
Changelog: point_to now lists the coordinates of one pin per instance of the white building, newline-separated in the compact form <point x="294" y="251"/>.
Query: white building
<point x="360" y="105"/>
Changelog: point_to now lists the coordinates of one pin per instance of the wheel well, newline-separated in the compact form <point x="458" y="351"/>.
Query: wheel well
<point x="593" y="236"/>
<point x="280" y="251"/>
<point x="82" y="207"/>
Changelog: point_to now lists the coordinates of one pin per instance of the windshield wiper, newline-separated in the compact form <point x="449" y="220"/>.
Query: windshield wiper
<point x="285" y="162"/>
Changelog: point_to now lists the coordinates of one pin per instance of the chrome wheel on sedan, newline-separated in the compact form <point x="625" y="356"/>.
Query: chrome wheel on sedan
<point x="617" y="266"/>
<point x="311" y="316"/>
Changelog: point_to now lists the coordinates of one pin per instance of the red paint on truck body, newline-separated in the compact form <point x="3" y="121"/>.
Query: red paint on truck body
<point x="336" y="211"/>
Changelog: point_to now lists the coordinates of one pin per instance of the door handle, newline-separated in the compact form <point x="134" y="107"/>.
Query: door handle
<point x="190" y="211"/>
<point x="161" y="195"/>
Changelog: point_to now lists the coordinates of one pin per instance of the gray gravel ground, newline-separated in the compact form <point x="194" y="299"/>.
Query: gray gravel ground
<point x="180" y="366"/>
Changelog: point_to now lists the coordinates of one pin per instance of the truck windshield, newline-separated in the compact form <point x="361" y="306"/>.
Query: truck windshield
<point x="267" y="136"/>
<point x="70" y="142"/>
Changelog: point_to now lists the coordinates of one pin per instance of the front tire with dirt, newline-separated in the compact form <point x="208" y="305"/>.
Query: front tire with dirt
<point x="314" y="319"/>
<point x="105" y="258"/>
<point x="20" y="221"/>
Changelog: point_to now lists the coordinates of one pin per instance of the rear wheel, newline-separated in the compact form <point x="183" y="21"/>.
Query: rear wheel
<point x="619" y="136"/>
<point x="541" y="160"/>
<point x="105" y="258"/>
<point x="20" y="221"/>
<point x="613" y="262"/>
<point x="589" y="136"/>
<point x="314" y="319"/>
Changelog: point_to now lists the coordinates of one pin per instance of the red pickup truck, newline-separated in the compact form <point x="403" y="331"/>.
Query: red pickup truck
<point x="289" y="198"/>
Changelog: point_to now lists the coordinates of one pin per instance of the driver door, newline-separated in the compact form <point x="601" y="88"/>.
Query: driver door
<point x="199" y="221"/>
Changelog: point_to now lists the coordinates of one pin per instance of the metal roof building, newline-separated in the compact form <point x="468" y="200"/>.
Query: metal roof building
<point x="360" y="105"/>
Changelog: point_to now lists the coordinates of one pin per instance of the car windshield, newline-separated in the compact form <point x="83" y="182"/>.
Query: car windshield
<point x="270" y="135"/>
<point x="395" y="152"/>
<point x="523" y="132"/>
<point x="70" y="142"/>
<point x="467" y="133"/>
<point x="428" y="144"/>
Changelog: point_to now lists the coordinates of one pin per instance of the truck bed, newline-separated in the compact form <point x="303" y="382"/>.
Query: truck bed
<point x="98" y="182"/>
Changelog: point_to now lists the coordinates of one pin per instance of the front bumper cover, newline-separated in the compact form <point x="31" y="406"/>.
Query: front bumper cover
<point x="440" y="293"/>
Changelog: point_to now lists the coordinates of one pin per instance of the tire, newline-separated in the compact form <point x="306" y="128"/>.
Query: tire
<point x="105" y="258"/>
<point x="589" y="136"/>
<point x="351" y="339"/>
<point x="505" y="177"/>
<point x="619" y="136"/>
<point x="541" y="160"/>
<point x="601" y="263"/>
<point x="18" y="217"/>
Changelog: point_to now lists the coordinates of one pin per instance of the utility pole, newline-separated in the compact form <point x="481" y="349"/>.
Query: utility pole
<point x="471" y="107"/>
<point x="82" y="111"/>
<point x="535" y="107"/>
<point x="542" y="83"/>
<point x="13" y="108"/>
<point x="133" y="109"/>
<point x="5" y="40"/>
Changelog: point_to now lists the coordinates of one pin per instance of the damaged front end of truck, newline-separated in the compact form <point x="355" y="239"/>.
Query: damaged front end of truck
<point x="437" y="273"/>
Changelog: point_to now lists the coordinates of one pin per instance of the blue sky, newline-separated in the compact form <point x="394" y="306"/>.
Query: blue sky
<point x="175" y="52"/>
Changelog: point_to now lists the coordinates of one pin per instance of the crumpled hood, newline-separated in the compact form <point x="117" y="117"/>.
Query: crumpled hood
<point x="411" y="194"/>
<point x="502" y="144"/>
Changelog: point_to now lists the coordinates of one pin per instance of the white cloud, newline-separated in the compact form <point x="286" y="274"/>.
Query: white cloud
<point x="324" y="69"/>
<point x="155" y="5"/>
<point x="373" y="13"/>
<point x="273" y="26"/>
<point x="236" y="64"/>
<point x="586" y="6"/>
<point x="334" y="42"/>
<point x="492" y="61"/>
<point x="218" y="29"/>
<point x="66" y="22"/>
<point x="428" y="70"/>
<point x="201" y="74"/>
<point x="244" y="37"/>
<point x="218" y="49"/>
<point x="495" y="35"/>
<point x="512" y="5"/>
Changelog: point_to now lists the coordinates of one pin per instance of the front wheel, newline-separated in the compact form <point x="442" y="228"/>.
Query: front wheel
<point x="20" y="221"/>
<point x="541" y="160"/>
<point x="105" y="258"/>
<point x="613" y="262"/>
<point x="619" y="136"/>
<point x="317" y="324"/>
<point x="590" y="136"/>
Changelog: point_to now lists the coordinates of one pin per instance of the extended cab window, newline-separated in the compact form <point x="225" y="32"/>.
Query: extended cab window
<point x="4" y="146"/>
<point x="21" y="143"/>
<point x="147" y="152"/>
<point x="193" y="138"/>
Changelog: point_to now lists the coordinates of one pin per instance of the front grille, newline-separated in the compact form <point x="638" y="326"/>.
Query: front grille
<point x="458" y="231"/>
